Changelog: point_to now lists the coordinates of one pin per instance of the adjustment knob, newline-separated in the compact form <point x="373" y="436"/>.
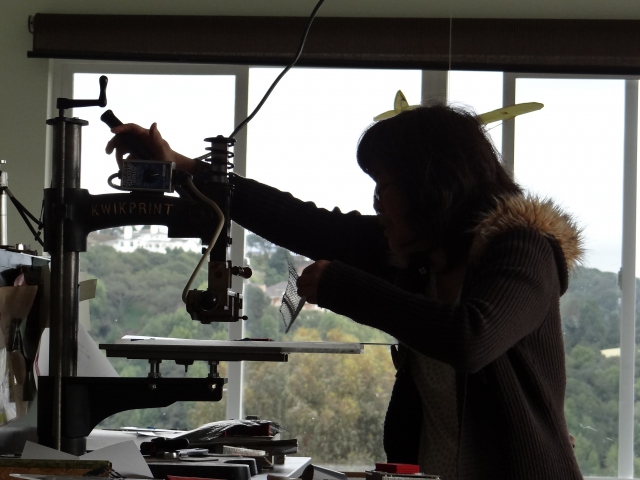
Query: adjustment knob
<point x="244" y="272"/>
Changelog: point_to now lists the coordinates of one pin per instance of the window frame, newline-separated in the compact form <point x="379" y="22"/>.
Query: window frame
<point x="434" y="85"/>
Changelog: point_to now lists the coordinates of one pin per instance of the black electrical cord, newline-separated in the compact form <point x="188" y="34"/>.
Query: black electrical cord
<point x="21" y="207"/>
<point x="24" y="213"/>
<point x="287" y="68"/>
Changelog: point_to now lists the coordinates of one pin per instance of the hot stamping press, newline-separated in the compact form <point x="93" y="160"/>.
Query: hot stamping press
<point x="69" y="407"/>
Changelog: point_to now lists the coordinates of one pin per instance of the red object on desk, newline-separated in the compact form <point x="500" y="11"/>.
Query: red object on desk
<point x="397" y="468"/>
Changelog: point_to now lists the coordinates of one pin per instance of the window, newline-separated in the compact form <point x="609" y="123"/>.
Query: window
<point x="141" y="288"/>
<point x="481" y="91"/>
<point x="304" y="140"/>
<point x="187" y="108"/>
<point x="564" y="153"/>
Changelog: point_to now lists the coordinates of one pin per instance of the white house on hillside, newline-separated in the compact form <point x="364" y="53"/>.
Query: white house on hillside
<point x="153" y="238"/>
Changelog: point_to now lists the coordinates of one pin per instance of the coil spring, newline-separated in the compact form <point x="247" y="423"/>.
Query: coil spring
<point x="230" y="143"/>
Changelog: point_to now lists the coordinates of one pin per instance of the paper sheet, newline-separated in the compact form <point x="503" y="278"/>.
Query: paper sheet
<point x="125" y="457"/>
<point x="86" y="288"/>
<point x="91" y="361"/>
<point x="86" y="291"/>
<point x="35" y="451"/>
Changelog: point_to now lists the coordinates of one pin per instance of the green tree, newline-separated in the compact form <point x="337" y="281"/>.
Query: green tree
<point x="270" y="325"/>
<point x="334" y="405"/>
<point x="590" y="309"/>
<point x="277" y="267"/>
<point x="591" y="323"/>
<point x="255" y="302"/>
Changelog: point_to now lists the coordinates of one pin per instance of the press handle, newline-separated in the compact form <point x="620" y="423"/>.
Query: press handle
<point x="138" y="148"/>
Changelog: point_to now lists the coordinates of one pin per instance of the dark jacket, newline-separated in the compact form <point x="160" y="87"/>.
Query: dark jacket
<point x="504" y="338"/>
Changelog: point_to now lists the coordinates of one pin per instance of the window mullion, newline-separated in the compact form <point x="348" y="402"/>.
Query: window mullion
<point x="236" y="330"/>
<point x="509" y="127"/>
<point x="435" y="86"/>
<point x="628" y="284"/>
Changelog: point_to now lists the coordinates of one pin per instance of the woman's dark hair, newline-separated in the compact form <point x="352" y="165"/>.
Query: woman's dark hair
<point x="446" y="166"/>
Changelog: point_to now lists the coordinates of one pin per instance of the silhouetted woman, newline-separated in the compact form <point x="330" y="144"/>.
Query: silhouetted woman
<point x="463" y="269"/>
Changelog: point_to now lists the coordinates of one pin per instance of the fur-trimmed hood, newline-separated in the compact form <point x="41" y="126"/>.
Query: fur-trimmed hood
<point x="521" y="211"/>
<point x="531" y="211"/>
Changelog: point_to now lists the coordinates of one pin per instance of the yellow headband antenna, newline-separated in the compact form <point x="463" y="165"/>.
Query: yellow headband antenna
<point x="507" y="113"/>
<point x="400" y="104"/>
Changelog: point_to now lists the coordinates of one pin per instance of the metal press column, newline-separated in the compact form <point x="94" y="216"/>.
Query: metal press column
<point x="63" y="353"/>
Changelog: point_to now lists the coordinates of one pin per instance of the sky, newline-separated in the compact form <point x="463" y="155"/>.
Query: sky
<point x="304" y="139"/>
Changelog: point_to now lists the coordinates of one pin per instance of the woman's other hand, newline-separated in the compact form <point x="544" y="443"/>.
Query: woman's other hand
<point x="309" y="280"/>
<point x="152" y="139"/>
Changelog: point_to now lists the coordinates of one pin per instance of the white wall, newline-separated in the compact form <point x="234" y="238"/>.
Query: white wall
<point x="23" y="103"/>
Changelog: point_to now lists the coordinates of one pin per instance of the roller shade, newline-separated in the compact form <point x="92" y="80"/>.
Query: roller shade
<point x="527" y="45"/>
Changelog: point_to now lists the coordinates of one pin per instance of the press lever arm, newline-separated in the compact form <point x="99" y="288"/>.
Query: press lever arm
<point x="63" y="104"/>
<point x="133" y="142"/>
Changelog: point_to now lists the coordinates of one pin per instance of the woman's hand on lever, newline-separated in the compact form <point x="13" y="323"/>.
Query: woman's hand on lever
<point x="309" y="280"/>
<point x="153" y="140"/>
